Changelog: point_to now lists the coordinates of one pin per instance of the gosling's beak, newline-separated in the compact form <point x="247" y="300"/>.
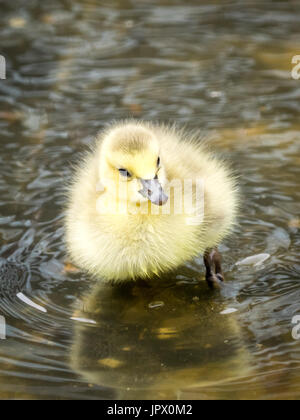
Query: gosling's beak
<point x="153" y="191"/>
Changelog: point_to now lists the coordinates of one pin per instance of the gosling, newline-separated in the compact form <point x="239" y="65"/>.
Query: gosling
<point x="147" y="199"/>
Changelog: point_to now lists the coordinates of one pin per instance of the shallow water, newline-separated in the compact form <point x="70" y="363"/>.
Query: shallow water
<point x="225" y="67"/>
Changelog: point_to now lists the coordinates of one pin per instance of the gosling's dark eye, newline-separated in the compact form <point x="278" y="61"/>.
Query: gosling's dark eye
<point x="125" y="173"/>
<point x="158" y="161"/>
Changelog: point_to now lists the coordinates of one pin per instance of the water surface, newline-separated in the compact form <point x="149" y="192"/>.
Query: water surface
<point x="224" y="67"/>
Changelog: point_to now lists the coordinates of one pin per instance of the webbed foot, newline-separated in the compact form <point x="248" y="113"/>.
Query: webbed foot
<point x="214" y="275"/>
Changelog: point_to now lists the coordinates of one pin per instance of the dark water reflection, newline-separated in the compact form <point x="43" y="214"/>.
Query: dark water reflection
<point x="72" y="66"/>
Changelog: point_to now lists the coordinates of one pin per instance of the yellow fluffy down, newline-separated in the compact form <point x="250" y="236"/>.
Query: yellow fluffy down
<point x="118" y="238"/>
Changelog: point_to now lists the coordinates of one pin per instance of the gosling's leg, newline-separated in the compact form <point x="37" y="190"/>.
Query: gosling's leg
<point x="213" y="264"/>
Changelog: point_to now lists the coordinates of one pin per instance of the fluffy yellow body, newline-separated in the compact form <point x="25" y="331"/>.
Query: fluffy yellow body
<point x="116" y="234"/>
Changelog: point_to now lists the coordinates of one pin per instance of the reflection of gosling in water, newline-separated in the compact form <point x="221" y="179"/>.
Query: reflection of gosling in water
<point x="183" y="346"/>
<point x="122" y="218"/>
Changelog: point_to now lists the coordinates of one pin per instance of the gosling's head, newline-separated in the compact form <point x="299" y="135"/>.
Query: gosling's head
<point x="132" y="165"/>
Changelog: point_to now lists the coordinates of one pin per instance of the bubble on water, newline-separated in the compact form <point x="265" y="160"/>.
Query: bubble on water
<point x="84" y="320"/>
<point x="228" y="311"/>
<point x="215" y="94"/>
<point x="29" y="302"/>
<point x="154" y="305"/>
<point x="255" y="260"/>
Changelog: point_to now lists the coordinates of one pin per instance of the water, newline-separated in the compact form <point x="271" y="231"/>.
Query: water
<point x="72" y="66"/>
